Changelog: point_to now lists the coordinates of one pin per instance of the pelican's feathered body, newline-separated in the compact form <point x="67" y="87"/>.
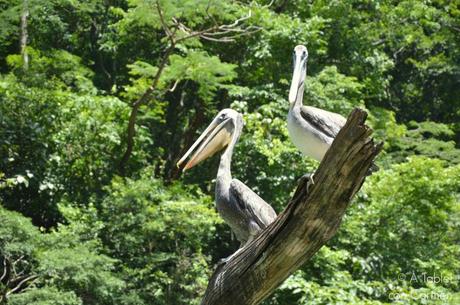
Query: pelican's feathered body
<point x="311" y="129"/>
<point x="242" y="209"/>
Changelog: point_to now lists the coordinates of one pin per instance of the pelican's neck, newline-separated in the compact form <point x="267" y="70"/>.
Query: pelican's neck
<point x="224" y="174"/>
<point x="299" y="98"/>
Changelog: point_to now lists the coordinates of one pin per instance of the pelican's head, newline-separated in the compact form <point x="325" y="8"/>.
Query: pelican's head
<point x="224" y="128"/>
<point x="300" y="71"/>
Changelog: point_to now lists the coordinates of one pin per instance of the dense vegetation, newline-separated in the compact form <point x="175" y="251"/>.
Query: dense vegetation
<point x="88" y="216"/>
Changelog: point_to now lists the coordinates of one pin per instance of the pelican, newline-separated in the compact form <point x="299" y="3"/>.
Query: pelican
<point x="312" y="130"/>
<point x="242" y="209"/>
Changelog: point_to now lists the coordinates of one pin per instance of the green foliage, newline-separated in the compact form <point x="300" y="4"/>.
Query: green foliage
<point x="207" y="71"/>
<point x="335" y="92"/>
<point x="18" y="236"/>
<point x="82" y="271"/>
<point x="45" y="296"/>
<point x="96" y="238"/>
<point x="56" y="70"/>
<point x="28" y="121"/>
<point x="410" y="214"/>
<point x="72" y="138"/>
<point x="59" y="266"/>
<point x="429" y="139"/>
<point x="194" y="12"/>
<point x="87" y="145"/>
<point x="160" y="233"/>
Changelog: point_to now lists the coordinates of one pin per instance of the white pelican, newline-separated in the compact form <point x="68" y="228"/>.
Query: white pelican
<point x="312" y="130"/>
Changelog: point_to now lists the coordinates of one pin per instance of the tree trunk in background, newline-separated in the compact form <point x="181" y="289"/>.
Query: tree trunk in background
<point x="308" y="222"/>
<point x="24" y="34"/>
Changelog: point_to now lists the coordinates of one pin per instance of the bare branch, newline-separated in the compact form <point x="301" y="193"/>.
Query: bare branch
<point x="131" y="130"/>
<point x="164" y="24"/>
<point x="236" y="22"/>
<point x="395" y="55"/>
<point x="223" y="39"/>
<point x="454" y="28"/>
<point x="18" y="260"/>
<point x="270" y="4"/>
<point x="18" y="286"/>
<point x="24" y="34"/>
<point x="224" y="29"/>
<point x="5" y="269"/>
<point x="209" y="15"/>
<point x="379" y="42"/>
<point x="175" y="85"/>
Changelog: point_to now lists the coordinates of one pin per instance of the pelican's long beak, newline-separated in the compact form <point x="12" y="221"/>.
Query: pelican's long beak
<point x="213" y="139"/>
<point x="297" y="79"/>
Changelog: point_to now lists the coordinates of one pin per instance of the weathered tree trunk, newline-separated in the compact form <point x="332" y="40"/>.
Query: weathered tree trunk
<point x="308" y="222"/>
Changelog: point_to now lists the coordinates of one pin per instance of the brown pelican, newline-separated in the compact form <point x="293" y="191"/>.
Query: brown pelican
<point x="242" y="209"/>
<point x="312" y="130"/>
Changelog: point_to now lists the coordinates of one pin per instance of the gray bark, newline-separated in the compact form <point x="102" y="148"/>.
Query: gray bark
<point x="308" y="222"/>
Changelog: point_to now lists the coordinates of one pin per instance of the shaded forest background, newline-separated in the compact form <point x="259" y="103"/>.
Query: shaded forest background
<point x="86" y="220"/>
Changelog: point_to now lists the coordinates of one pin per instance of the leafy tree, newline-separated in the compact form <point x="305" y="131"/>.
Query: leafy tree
<point x="160" y="235"/>
<point x="52" y="268"/>
<point x="93" y="237"/>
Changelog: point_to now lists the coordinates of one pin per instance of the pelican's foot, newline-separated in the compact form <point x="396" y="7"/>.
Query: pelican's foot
<point x="223" y="261"/>
<point x="308" y="179"/>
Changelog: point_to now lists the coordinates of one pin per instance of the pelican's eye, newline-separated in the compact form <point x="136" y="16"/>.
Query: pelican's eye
<point x="304" y="54"/>
<point x="222" y="116"/>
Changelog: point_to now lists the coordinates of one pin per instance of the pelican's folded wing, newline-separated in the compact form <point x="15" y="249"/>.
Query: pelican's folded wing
<point x="328" y="123"/>
<point x="254" y="207"/>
